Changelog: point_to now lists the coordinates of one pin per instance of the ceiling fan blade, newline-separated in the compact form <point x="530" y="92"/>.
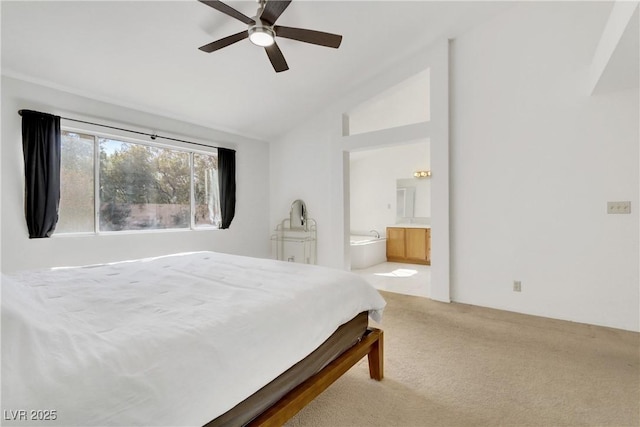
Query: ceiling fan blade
<point x="219" y="44"/>
<point x="277" y="58"/>
<point x="273" y="10"/>
<point x="309" y="36"/>
<point x="221" y="7"/>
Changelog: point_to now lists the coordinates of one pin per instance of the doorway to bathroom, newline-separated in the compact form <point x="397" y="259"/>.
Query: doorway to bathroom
<point x="409" y="104"/>
<point x="390" y="196"/>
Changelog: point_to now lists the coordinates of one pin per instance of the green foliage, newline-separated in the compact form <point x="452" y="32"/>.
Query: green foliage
<point x="138" y="174"/>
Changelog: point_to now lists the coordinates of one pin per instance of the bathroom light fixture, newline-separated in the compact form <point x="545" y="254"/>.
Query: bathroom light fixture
<point x="422" y="174"/>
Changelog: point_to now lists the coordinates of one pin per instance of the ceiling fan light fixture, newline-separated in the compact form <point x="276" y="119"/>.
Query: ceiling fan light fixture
<point x="261" y="35"/>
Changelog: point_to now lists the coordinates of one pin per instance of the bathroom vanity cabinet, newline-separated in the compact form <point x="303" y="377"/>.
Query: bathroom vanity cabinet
<point x="409" y="244"/>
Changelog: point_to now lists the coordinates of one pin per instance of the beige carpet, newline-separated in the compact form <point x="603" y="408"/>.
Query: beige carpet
<point x="460" y="365"/>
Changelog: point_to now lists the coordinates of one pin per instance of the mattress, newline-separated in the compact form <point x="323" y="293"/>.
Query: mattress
<point x="174" y="340"/>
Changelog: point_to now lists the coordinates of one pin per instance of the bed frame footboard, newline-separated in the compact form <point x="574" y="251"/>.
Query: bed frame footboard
<point x="371" y="345"/>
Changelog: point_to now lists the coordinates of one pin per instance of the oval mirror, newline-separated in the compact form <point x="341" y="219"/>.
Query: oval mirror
<point x="298" y="215"/>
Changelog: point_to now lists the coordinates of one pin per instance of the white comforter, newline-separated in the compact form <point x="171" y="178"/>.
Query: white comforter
<point x="174" y="340"/>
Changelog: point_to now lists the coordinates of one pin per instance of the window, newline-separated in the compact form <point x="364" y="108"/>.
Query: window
<point x="139" y="186"/>
<point x="206" y="190"/>
<point x="77" y="189"/>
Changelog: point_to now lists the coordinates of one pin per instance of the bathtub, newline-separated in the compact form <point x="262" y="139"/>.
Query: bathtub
<point x="367" y="251"/>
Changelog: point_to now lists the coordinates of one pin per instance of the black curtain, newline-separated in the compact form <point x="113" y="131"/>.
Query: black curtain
<point x="41" y="149"/>
<point x="227" y="181"/>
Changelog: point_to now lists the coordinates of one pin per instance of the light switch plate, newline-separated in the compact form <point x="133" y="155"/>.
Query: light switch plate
<point x="618" y="207"/>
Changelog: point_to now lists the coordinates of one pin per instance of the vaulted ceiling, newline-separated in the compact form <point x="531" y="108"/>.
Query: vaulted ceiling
<point x="144" y="54"/>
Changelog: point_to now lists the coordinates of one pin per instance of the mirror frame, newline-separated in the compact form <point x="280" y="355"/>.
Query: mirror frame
<point x="298" y="215"/>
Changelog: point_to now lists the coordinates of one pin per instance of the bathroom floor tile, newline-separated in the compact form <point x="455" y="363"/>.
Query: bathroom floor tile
<point x="409" y="279"/>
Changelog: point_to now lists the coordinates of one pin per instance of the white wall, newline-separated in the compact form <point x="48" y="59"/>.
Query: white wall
<point x="248" y="234"/>
<point x="534" y="160"/>
<point x="300" y="169"/>
<point x="311" y="162"/>
<point x="400" y="105"/>
<point x="373" y="184"/>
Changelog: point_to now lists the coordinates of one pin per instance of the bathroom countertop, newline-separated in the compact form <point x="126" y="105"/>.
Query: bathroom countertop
<point x="411" y="225"/>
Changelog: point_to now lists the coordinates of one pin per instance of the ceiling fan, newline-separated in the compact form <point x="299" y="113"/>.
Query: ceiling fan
<point x="262" y="31"/>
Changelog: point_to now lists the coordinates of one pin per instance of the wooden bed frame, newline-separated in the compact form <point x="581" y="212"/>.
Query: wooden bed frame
<point x="371" y="345"/>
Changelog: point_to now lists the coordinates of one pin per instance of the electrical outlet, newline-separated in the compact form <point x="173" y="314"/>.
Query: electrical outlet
<point x="517" y="286"/>
<point x="618" y="207"/>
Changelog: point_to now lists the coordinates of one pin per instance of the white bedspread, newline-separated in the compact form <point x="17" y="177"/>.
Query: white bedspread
<point x="174" y="340"/>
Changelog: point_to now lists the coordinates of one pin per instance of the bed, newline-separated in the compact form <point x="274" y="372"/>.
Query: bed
<point x="199" y="338"/>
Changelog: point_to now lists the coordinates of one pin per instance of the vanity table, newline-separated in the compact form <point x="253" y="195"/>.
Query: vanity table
<point x="295" y="237"/>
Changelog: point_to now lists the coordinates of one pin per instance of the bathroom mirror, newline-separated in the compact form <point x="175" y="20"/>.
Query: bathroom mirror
<point x="405" y="202"/>
<point x="298" y="215"/>
<point x="413" y="201"/>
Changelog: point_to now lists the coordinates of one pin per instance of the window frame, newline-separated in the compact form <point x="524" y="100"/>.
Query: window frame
<point x="96" y="183"/>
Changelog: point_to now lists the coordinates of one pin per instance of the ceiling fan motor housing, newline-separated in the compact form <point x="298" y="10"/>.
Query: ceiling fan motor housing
<point x="261" y="33"/>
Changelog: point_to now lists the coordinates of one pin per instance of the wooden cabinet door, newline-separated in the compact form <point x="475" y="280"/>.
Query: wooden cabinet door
<point x="428" y="246"/>
<point x="416" y="243"/>
<point x="395" y="243"/>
